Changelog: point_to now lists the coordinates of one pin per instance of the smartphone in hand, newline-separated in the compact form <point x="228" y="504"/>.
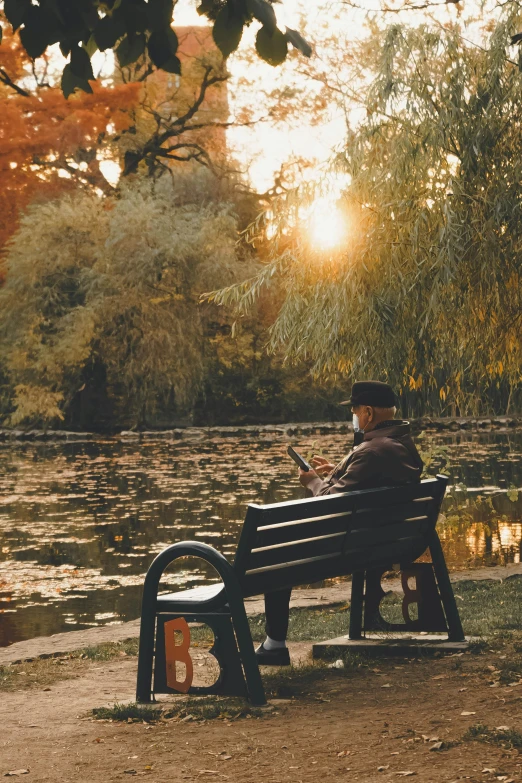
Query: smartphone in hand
<point x="298" y="459"/>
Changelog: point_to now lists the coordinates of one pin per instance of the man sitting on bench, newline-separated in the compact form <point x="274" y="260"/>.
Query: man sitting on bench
<point x="385" y="457"/>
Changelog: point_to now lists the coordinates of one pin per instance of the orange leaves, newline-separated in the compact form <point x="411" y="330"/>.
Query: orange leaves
<point x="38" y="130"/>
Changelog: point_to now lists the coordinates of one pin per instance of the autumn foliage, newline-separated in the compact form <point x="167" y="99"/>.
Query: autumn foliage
<point x="49" y="144"/>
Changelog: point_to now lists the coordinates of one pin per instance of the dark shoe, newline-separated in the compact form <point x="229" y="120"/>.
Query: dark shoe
<point x="279" y="657"/>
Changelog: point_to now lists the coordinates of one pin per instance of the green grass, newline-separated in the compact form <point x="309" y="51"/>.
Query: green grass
<point x="108" y="650"/>
<point x="48" y="670"/>
<point x="214" y="707"/>
<point x="197" y="709"/>
<point x="490" y="608"/>
<point x="128" y="712"/>
<point x="307" y="624"/>
<point x="505" y="738"/>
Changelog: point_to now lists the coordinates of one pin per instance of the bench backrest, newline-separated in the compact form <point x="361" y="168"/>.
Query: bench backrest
<point x="304" y="541"/>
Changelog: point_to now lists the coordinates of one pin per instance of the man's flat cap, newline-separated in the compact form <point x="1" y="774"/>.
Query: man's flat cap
<point x="374" y="393"/>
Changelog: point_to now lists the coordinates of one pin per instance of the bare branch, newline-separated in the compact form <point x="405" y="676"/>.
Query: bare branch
<point x="6" y="79"/>
<point x="85" y="177"/>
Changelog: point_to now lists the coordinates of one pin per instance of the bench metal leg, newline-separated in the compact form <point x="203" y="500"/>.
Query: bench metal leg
<point x="256" y="691"/>
<point x="146" y="648"/>
<point x="356" y="605"/>
<point x="456" y="633"/>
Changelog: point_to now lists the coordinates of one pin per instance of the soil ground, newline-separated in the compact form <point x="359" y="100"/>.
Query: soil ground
<point x="438" y="720"/>
<point x="377" y="721"/>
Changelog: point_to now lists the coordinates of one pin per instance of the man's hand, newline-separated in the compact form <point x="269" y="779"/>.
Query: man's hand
<point x="321" y="465"/>
<point x="307" y="476"/>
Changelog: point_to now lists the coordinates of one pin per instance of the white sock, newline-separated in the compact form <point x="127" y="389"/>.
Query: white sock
<point x="273" y="644"/>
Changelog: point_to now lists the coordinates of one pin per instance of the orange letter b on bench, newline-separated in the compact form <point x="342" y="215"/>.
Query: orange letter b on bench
<point x="178" y="652"/>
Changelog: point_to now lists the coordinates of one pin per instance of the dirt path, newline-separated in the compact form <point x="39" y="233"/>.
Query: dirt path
<point x="344" y="727"/>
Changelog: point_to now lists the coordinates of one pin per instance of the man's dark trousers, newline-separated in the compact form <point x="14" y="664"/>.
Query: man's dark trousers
<point x="277" y="612"/>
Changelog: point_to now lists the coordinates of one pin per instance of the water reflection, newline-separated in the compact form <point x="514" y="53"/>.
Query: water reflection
<point x="80" y="522"/>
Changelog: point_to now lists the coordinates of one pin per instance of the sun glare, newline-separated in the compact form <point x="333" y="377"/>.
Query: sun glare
<point x="327" y="225"/>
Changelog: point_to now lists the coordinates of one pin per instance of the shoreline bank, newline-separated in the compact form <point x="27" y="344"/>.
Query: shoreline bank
<point x="426" y="423"/>
<point x="69" y="641"/>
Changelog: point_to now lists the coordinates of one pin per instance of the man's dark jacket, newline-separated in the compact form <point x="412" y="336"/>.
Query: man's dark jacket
<point x="386" y="457"/>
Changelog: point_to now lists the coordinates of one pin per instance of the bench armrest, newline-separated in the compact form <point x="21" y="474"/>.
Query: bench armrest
<point x="184" y="549"/>
<point x="195" y="549"/>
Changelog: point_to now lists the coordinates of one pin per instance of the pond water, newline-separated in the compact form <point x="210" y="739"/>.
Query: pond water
<point x="80" y="522"/>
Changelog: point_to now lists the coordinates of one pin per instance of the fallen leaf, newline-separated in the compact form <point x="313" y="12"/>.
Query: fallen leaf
<point x="406" y="773"/>
<point x="502" y="728"/>
<point x="394" y="753"/>
<point x="386" y="685"/>
<point x="440" y="677"/>
<point x="383" y="768"/>
<point x="461" y="690"/>
<point x="490" y="770"/>
<point x="16" y="772"/>
<point x="225" y="758"/>
<point x="467" y="713"/>
<point x="437" y="746"/>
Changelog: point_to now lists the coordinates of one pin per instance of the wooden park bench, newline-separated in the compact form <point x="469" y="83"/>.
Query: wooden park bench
<point x="282" y="545"/>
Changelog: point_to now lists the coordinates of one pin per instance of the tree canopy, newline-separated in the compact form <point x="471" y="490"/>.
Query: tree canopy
<point x="101" y="295"/>
<point x="135" y="27"/>
<point x="48" y="144"/>
<point x="427" y="291"/>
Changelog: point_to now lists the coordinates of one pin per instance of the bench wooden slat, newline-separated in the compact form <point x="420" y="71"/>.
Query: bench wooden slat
<point x="315" y="569"/>
<point x="386" y="555"/>
<point x="376" y="517"/>
<point x="274" y="513"/>
<point x="269" y="535"/>
<point x="382" y="535"/>
<point x="390" y="496"/>
<point x="295" y="510"/>
<point x="295" y="550"/>
<point x="301" y="573"/>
